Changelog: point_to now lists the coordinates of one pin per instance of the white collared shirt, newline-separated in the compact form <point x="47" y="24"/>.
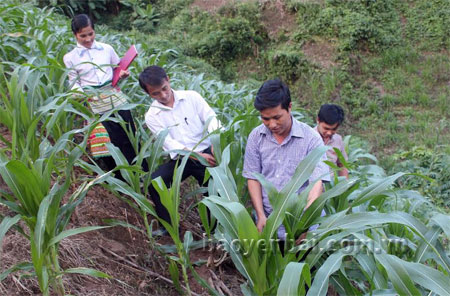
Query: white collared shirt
<point x="185" y="121"/>
<point x="83" y="73"/>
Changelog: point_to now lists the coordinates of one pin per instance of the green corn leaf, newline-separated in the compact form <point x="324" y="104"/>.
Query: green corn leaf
<point x="371" y="271"/>
<point x="398" y="275"/>
<point x="222" y="216"/>
<point x="122" y="187"/>
<point x="75" y="231"/>
<point x="304" y="170"/>
<point x="442" y="221"/>
<point x="15" y="186"/>
<point x="115" y="222"/>
<point x="215" y="143"/>
<point x="23" y="266"/>
<point x="426" y="276"/>
<point x="343" y="282"/>
<point x="88" y="271"/>
<point x="319" y="286"/>
<point x="6" y="224"/>
<point x="327" y="244"/>
<point x="39" y="230"/>
<point x="223" y="184"/>
<point x="293" y="275"/>
<point x="120" y="161"/>
<point x="175" y="275"/>
<point x="316" y="207"/>
<point x="375" y="189"/>
<point x="188" y="240"/>
<point x="430" y="239"/>
<point x="239" y="263"/>
<point x="157" y="146"/>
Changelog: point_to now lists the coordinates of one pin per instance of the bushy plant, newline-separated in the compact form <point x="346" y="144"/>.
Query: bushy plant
<point x="71" y="7"/>
<point x="433" y="164"/>
<point x="170" y="8"/>
<point x="357" y="24"/>
<point x="234" y="32"/>
<point x="429" y="24"/>
<point x="288" y="63"/>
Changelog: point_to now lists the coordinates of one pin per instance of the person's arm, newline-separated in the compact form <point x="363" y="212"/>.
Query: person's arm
<point x="209" y="158"/>
<point x="314" y="194"/>
<point x="320" y="174"/>
<point x="205" y="112"/>
<point x="72" y="74"/>
<point x="255" y="191"/>
<point x="343" y="172"/>
<point x="253" y="164"/>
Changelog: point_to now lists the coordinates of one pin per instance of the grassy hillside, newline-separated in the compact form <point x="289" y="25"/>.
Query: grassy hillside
<point x="386" y="62"/>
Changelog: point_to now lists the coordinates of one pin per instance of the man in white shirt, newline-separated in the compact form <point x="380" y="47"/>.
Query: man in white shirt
<point x="185" y="114"/>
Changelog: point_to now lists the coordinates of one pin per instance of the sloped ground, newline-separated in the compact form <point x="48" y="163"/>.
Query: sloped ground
<point x="277" y="19"/>
<point x="123" y="253"/>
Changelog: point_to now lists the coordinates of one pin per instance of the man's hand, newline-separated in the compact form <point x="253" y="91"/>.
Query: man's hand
<point x="261" y="223"/>
<point x="209" y="158"/>
<point x="301" y="238"/>
<point x="124" y="74"/>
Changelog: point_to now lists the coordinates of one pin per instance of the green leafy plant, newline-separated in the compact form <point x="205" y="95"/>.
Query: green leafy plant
<point x="354" y="226"/>
<point x="37" y="202"/>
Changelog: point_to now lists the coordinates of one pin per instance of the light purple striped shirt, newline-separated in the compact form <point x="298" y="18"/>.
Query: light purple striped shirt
<point x="277" y="162"/>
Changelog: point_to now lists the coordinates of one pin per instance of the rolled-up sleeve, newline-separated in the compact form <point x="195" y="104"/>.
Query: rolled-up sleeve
<point x="252" y="157"/>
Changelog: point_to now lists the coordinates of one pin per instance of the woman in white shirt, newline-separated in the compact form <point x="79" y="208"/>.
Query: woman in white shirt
<point x="91" y="73"/>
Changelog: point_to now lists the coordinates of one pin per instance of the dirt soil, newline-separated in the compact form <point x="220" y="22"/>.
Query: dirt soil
<point x="123" y="253"/>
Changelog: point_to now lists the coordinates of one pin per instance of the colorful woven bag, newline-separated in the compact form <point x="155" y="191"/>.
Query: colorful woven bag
<point x="97" y="141"/>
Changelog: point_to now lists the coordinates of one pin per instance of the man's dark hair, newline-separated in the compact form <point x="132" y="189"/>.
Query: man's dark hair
<point x="271" y="94"/>
<point x="81" y="21"/>
<point x="331" y="114"/>
<point x="153" y="75"/>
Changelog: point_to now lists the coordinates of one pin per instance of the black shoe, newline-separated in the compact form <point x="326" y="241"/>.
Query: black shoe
<point x="160" y="232"/>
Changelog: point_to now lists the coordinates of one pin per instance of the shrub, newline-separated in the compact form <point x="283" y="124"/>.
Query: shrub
<point x="430" y="163"/>
<point x="234" y="32"/>
<point x="357" y="24"/>
<point x="287" y="63"/>
<point x="429" y="22"/>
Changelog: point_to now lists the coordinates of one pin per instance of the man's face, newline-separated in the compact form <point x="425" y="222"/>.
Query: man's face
<point x="86" y="36"/>
<point x="277" y="120"/>
<point x="326" y="130"/>
<point x="162" y="93"/>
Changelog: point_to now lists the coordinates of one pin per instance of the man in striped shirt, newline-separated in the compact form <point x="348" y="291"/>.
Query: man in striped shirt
<point x="276" y="147"/>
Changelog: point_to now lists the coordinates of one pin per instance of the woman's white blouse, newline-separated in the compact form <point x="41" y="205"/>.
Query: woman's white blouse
<point x="90" y="66"/>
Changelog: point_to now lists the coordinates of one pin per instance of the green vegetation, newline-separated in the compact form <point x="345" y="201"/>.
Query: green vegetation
<point x="378" y="237"/>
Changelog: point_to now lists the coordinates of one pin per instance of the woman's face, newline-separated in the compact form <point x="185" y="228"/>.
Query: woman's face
<point x="86" y="36"/>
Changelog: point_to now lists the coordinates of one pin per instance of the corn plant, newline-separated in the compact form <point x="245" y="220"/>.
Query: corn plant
<point x="362" y="221"/>
<point x="135" y="185"/>
<point x="37" y="202"/>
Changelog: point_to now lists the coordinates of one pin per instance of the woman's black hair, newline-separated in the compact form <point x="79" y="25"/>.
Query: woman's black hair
<point x="81" y="21"/>
<point x="271" y="94"/>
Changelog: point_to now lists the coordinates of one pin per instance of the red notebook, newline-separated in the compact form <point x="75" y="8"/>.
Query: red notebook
<point x="124" y="63"/>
